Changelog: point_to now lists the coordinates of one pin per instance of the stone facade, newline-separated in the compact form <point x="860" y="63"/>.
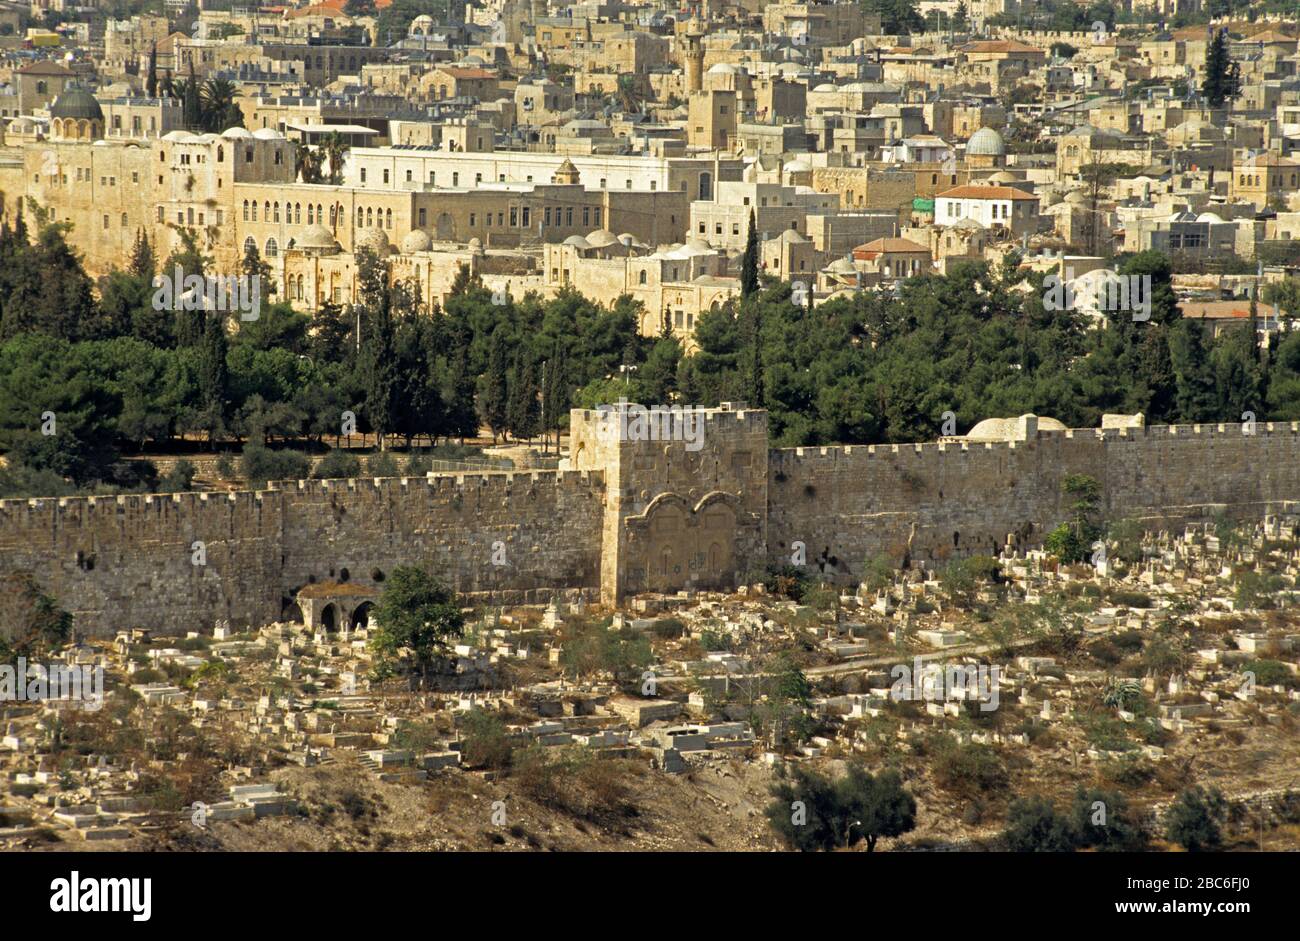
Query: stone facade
<point x="707" y="505"/>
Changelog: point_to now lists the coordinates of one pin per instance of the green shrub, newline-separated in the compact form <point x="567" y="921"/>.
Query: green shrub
<point x="382" y="464"/>
<point x="337" y="464"/>
<point x="261" y="464"/>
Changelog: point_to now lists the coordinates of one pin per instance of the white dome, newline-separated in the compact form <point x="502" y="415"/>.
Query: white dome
<point x="577" y="241"/>
<point x="986" y="142"/>
<point x="721" y="68"/>
<point x="825" y="86"/>
<point x="601" y="238"/>
<point x="268" y="133"/>
<point x="375" y="240"/>
<point x="417" y="240"/>
<point x="237" y="133"/>
<point x="797" y="166"/>
<point x="316" y="236"/>
<point x="179" y="137"/>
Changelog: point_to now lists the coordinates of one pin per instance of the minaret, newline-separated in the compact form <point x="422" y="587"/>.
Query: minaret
<point x="693" y="59"/>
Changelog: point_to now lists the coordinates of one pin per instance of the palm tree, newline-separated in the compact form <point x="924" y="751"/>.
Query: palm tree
<point x="335" y="150"/>
<point x="306" y="162"/>
<point x="626" y="94"/>
<point x="218" y="98"/>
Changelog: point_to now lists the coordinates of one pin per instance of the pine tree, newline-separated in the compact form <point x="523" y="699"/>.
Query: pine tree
<point x="749" y="266"/>
<point x="1222" y="73"/>
<point x="143" y="263"/>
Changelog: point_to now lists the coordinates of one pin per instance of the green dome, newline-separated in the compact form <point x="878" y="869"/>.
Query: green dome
<point x="78" y="104"/>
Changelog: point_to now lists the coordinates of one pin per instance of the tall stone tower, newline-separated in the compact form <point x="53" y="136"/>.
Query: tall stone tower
<point x="693" y="59"/>
<point x="685" y="494"/>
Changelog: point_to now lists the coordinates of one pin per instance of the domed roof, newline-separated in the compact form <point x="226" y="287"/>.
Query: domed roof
<point x="577" y="241"/>
<point x="316" y="236"/>
<point x="1008" y="429"/>
<point x="721" y="68"/>
<point x="417" y="240"/>
<point x="986" y="142"/>
<point x="375" y="240"/>
<point x="268" y="133"/>
<point x="601" y="238"/>
<point x="76" y="103"/>
<point x="842" y="266"/>
<point x="790" y="235"/>
<point x="236" y="133"/>
<point x="476" y="245"/>
<point x="797" y="166"/>
<point x="179" y="137"/>
<point x="825" y="86"/>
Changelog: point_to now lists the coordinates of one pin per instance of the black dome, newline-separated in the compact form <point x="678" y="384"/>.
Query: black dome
<point x="76" y="103"/>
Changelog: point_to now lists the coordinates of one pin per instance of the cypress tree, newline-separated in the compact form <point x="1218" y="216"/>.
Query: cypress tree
<point x="151" y="79"/>
<point x="749" y="266"/>
<point x="494" y="398"/>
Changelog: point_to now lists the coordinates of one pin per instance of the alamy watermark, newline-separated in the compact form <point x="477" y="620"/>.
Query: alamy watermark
<point x="235" y="293"/>
<point x="657" y="423"/>
<point x="1112" y="293"/>
<point x="57" y="682"/>
<point x="953" y="682"/>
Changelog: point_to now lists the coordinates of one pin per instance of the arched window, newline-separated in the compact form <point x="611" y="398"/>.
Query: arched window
<point x="388" y="219"/>
<point x="311" y="215"/>
<point x="245" y="210"/>
<point x="370" y="217"/>
<point x="266" y="210"/>
<point x="320" y="213"/>
<point x="249" y="245"/>
<point x="272" y="249"/>
<point x="641" y="277"/>
<point x="277" y="210"/>
<point x="361" y="218"/>
<point x="706" y="186"/>
<point x="254" y="210"/>
<point x="221" y="154"/>
<point x="297" y="213"/>
<point x="331" y="217"/>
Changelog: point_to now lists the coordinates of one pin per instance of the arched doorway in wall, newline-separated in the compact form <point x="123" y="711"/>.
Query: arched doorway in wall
<point x="361" y="616"/>
<point x="444" y="227"/>
<point x="329" y="618"/>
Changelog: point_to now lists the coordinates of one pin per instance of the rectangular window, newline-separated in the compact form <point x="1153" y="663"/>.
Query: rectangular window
<point x="363" y="174"/>
<point x="546" y="217"/>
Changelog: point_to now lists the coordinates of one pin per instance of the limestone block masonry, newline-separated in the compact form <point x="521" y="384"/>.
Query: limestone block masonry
<point x="627" y="514"/>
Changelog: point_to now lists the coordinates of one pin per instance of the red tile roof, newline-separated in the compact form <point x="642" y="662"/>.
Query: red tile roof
<point x="985" y="192"/>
